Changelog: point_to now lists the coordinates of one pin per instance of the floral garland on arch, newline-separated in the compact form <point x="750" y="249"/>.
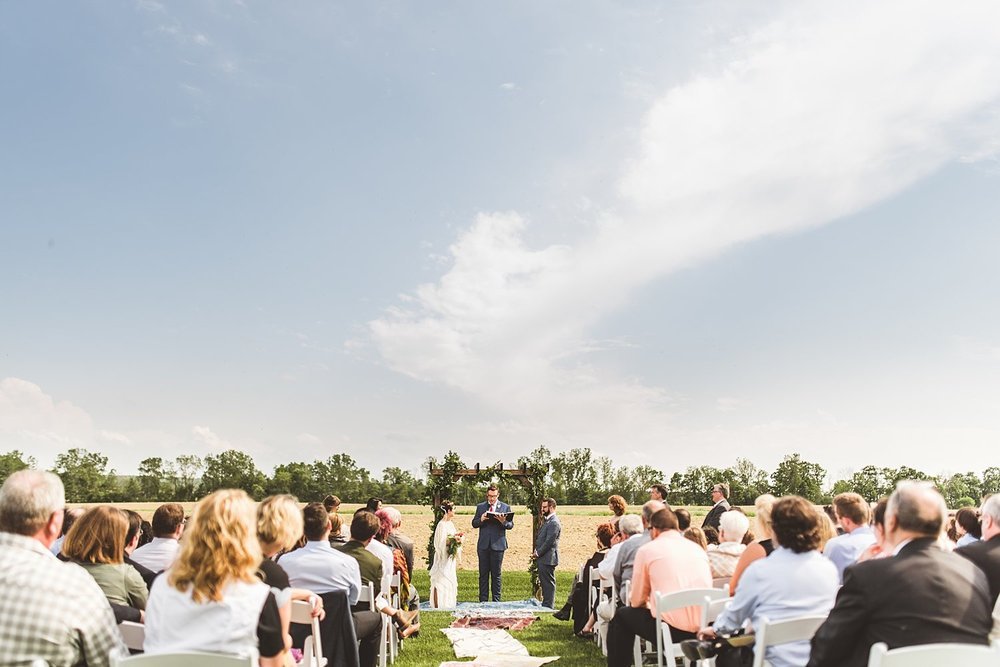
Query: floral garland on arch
<point x="442" y="485"/>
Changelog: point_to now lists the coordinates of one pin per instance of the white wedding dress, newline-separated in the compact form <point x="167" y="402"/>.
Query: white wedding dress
<point x="444" y="581"/>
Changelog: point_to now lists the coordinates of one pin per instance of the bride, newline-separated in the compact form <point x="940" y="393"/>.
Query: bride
<point x="444" y="581"/>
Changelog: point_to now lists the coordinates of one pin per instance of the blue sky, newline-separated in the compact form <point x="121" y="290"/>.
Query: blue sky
<point x="676" y="234"/>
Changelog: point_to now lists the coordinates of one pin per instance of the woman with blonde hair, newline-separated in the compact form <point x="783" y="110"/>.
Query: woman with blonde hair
<point x="764" y="544"/>
<point x="211" y="599"/>
<point x="96" y="542"/>
<point x="279" y="527"/>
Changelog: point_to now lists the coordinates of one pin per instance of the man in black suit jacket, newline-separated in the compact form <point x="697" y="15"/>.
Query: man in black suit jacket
<point x="986" y="553"/>
<point x="720" y="493"/>
<point x="921" y="595"/>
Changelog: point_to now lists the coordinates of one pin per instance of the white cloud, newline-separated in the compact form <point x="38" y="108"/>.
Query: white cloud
<point x="799" y="129"/>
<point x="206" y="437"/>
<point x="508" y="86"/>
<point x="309" y="439"/>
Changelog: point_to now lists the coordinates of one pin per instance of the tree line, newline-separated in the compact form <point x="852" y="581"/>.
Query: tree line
<point x="575" y="477"/>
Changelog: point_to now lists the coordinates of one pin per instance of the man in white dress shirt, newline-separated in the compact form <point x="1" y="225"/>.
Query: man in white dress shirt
<point x="168" y="526"/>
<point x="854" y="515"/>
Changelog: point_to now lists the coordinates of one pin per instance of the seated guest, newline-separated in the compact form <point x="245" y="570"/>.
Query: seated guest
<point x="168" y="525"/>
<point x="132" y="538"/>
<point x="579" y="597"/>
<point x="96" y="542"/>
<point x="618" y="507"/>
<point x="967" y="527"/>
<point x="986" y="553"/>
<point x="342" y="533"/>
<point x="853" y="514"/>
<point x="683" y="519"/>
<point x="794" y="581"/>
<point x="762" y="546"/>
<point x="829" y="511"/>
<point x="320" y="568"/>
<point x="696" y="535"/>
<point x="377" y="549"/>
<point x="878" y="547"/>
<point x="711" y="535"/>
<point x="722" y="557"/>
<point x="51" y="613"/>
<point x="668" y="563"/>
<point x="625" y="557"/>
<point x="397" y="539"/>
<point x="921" y="595"/>
<point x="374" y="504"/>
<point x="211" y="599"/>
<point x="70" y="515"/>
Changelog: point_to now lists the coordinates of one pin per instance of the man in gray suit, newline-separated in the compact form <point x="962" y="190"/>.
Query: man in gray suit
<point x="626" y="552"/>
<point x="546" y="553"/>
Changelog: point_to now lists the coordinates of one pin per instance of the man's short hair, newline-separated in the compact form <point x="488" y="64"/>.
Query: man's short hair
<point x="28" y="499"/>
<point x="550" y="501"/>
<point x="167" y="519"/>
<point x="315" y="521"/>
<point x="683" y="518"/>
<point x="630" y="524"/>
<point x="991" y="508"/>
<point x="134" y="525"/>
<point x="394" y="515"/>
<point x="722" y="488"/>
<point x="795" y="524"/>
<point x="331" y="502"/>
<point x="493" y="487"/>
<point x="651" y="507"/>
<point x="734" y="524"/>
<point x="364" y="526"/>
<point x="661" y="489"/>
<point x="918" y="507"/>
<point x="664" y="519"/>
<point x="852" y="506"/>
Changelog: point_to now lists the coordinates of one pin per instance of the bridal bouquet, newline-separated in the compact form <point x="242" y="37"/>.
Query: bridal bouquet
<point x="454" y="543"/>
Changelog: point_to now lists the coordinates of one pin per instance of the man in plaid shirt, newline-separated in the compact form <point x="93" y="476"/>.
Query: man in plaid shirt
<point x="49" y="610"/>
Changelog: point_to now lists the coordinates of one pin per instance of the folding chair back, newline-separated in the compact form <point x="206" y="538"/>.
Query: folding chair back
<point x="783" y="632"/>
<point x="593" y="576"/>
<point x="710" y="609"/>
<point x="935" y="655"/>
<point x="692" y="597"/>
<point x="133" y="633"/>
<point x="312" y="654"/>
<point x="185" y="659"/>
<point x="721" y="582"/>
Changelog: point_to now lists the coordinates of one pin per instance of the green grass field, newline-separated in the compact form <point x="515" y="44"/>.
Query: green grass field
<point x="544" y="638"/>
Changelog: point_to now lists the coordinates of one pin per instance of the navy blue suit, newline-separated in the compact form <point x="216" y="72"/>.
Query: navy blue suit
<point x="547" y="549"/>
<point x="491" y="546"/>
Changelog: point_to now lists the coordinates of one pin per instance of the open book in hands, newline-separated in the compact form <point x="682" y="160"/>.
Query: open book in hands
<point x="502" y="517"/>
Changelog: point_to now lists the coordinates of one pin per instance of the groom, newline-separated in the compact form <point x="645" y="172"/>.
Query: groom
<point x="492" y="542"/>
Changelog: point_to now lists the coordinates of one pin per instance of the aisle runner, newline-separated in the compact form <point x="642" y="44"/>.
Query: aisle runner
<point x="473" y="642"/>
<point x="500" y="661"/>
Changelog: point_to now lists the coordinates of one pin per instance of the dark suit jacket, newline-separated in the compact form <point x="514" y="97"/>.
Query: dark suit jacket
<point x="921" y="596"/>
<point x="492" y="535"/>
<point x="369" y="563"/>
<point x="986" y="555"/>
<point x="547" y="542"/>
<point x="144" y="572"/>
<point x="714" y="514"/>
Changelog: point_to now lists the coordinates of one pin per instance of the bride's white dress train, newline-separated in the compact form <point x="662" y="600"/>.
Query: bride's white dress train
<point x="444" y="580"/>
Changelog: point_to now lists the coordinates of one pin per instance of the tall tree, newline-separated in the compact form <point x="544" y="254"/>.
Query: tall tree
<point x="341" y="475"/>
<point x="13" y="461"/>
<point x="297" y="479"/>
<point x="796" y="476"/>
<point x="232" y="469"/>
<point x="86" y="476"/>
<point x="187" y="471"/>
<point x="746" y="482"/>
<point x="152" y="476"/>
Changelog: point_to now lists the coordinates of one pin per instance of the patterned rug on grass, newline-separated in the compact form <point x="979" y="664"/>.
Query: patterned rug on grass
<point x="492" y="619"/>
<point x="501" y="661"/>
<point x="530" y="604"/>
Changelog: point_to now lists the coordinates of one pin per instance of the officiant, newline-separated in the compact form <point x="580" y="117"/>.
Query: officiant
<point x="493" y="519"/>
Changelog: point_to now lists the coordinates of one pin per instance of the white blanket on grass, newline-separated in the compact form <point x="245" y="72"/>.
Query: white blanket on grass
<point x="472" y="642"/>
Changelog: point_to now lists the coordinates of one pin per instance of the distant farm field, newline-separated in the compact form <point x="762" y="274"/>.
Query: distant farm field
<point x="579" y="525"/>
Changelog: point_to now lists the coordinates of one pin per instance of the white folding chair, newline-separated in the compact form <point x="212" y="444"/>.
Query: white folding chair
<point x="185" y="659"/>
<point x="397" y="604"/>
<point x="312" y="653"/>
<point x="593" y="575"/>
<point x="935" y="655"/>
<point x="692" y="597"/>
<point x="368" y="595"/>
<point x="721" y="582"/>
<point x="605" y="592"/>
<point x="800" y="628"/>
<point x="711" y="609"/>
<point x="133" y="633"/>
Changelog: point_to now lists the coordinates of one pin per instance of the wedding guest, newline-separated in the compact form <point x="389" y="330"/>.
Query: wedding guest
<point x="212" y="584"/>
<point x="342" y="534"/>
<point x="723" y="557"/>
<point x="168" y="525"/>
<point x="878" y="548"/>
<point x="70" y="515"/>
<point x="132" y="539"/>
<point x="577" y="604"/>
<point x="96" y="542"/>
<point x="720" y="495"/>
<point x="51" y="613"/>
<point x="397" y="539"/>
<point x="763" y="545"/>
<point x="853" y="514"/>
<point x="696" y="535"/>
<point x="618" y="507"/>
<point x="967" y="527"/>
<point x="683" y="519"/>
<point x="657" y="492"/>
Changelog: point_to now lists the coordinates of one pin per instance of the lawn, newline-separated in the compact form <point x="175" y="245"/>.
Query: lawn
<point x="545" y="637"/>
